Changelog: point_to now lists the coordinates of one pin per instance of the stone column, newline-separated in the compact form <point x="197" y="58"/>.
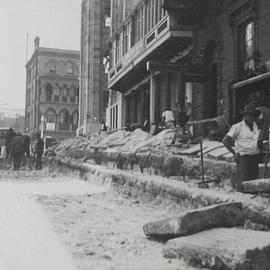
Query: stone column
<point x="143" y="103"/>
<point x="57" y="122"/>
<point x="153" y="98"/>
<point x="124" y="110"/>
<point x="168" y="90"/>
<point x="132" y="108"/>
<point x="43" y="93"/>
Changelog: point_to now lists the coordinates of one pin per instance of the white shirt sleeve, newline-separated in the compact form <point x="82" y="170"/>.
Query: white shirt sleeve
<point x="234" y="132"/>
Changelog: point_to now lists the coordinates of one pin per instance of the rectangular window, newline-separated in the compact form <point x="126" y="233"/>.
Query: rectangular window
<point x="56" y="98"/>
<point x="69" y="68"/>
<point x="53" y="67"/>
<point x="246" y="47"/>
<point x="127" y="38"/>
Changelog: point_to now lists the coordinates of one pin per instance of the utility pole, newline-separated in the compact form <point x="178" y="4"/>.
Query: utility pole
<point x="26" y="47"/>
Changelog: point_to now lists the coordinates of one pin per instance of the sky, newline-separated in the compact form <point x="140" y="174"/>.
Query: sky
<point x="56" y="22"/>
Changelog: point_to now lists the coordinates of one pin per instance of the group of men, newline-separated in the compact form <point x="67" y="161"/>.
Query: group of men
<point x="18" y="146"/>
<point x="179" y="118"/>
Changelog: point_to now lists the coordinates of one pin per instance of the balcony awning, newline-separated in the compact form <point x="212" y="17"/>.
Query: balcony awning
<point x="177" y="5"/>
<point x="252" y="80"/>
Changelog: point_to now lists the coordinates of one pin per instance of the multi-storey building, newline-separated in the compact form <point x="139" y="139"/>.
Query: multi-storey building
<point x="187" y="51"/>
<point x="95" y="27"/>
<point x="52" y="92"/>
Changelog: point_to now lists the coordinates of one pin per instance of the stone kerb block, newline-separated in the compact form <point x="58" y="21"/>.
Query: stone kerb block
<point x="172" y="166"/>
<point x="257" y="186"/>
<point x="221" y="215"/>
<point x="223" y="249"/>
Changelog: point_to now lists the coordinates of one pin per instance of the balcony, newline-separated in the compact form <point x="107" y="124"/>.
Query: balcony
<point x="165" y="39"/>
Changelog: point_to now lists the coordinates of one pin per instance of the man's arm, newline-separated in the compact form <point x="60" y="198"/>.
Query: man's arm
<point x="228" y="143"/>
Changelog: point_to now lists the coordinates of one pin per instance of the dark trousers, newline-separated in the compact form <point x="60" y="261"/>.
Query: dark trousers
<point x="17" y="159"/>
<point x="247" y="169"/>
<point x="39" y="162"/>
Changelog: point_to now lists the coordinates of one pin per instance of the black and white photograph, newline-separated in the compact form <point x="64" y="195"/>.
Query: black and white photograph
<point x="135" y="135"/>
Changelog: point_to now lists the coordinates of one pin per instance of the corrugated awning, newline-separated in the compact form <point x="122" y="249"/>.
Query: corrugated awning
<point x="252" y="80"/>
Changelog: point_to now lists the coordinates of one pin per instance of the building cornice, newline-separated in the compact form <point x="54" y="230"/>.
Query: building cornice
<point x="41" y="51"/>
<point x="59" y="77"/>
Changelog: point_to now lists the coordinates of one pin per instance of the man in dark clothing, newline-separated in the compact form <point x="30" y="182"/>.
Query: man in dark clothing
<point x="17" y="149"/>
<point x="27" y="145"/>
<point x="39" y="151"/>
<point x="9" y="137"/>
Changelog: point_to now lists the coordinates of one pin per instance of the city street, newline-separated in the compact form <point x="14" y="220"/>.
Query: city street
<point x="51" y="222"/>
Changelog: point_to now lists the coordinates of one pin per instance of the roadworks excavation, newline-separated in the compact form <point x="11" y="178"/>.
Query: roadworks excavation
<point x="174" y="193"/>
<point x="105" y="230"/>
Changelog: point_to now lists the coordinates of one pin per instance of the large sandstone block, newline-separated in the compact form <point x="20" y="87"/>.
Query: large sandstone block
<point x="220" y="215"/>
<point x="257" y="186"/>
<point x="223" y="248"/>
<point x="172" y="165"/>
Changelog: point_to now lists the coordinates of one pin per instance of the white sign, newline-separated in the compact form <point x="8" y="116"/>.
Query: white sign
<point x="50" y="126"/>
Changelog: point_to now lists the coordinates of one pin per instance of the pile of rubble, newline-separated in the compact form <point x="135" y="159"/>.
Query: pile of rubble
<point x="139" y="150"/>
<point x="119" y="141"/>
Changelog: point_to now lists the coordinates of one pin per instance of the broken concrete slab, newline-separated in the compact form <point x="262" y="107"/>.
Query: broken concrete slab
<point x="211" y="145"/>
<point x="223" y="248"/>
<point x="257" y="186"/>
<point x="219" y="215"/>
<point x="219" y="152"/>
<point x="193" y="150"/>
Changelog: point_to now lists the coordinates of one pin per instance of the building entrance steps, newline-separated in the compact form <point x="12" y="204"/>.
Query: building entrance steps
<point x="223" y="248"/>
<point x="219" y="215"/>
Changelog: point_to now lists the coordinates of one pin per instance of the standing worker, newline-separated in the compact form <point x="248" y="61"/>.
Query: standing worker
<point x="17" y="149"/>
<point x="245" y="134"/>
<point x="168" y="118"/>
<point x="39" y="151"/>
<point x="9" y="137"/>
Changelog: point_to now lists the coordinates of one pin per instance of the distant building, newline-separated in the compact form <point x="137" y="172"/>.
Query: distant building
<point x="52" y="92"/>
<point x="95" y="27"/>
<point x="16" y="122"/>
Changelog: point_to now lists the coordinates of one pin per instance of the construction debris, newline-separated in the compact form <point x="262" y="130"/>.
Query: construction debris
<point x="221" y="215"/>
<point x="222" y="248"/>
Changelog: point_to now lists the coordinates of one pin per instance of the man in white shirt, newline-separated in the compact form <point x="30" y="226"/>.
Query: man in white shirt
<point x="168" y="118"/>
<point x="245" y="134"/>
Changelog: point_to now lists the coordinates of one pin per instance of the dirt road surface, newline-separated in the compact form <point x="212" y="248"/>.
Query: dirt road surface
<point x="61" y="223"/>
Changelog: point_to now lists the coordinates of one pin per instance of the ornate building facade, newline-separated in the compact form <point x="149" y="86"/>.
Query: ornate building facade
<point x="212" y="54"/>
<point x="52" y="92"/>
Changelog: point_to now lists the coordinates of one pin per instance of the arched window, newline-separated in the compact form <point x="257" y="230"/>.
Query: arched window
<point x="48" y="92"/>
<point x="50" y="116"/>
<point x="74" y="120"/>
<point x="77" y="95"/>
<point x="63" y="94"/>
<point x="56" y="93"/>
<point x="72" y="91"/>
<point x="64" y="120"/>
<point x="72" y="94"/>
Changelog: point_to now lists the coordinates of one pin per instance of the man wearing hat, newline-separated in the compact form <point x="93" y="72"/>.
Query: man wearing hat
<point x="39" y="151"/>
<point x="245" y="135"/>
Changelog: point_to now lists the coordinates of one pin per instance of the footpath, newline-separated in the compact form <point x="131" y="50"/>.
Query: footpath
<point x="27" y="239"/>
